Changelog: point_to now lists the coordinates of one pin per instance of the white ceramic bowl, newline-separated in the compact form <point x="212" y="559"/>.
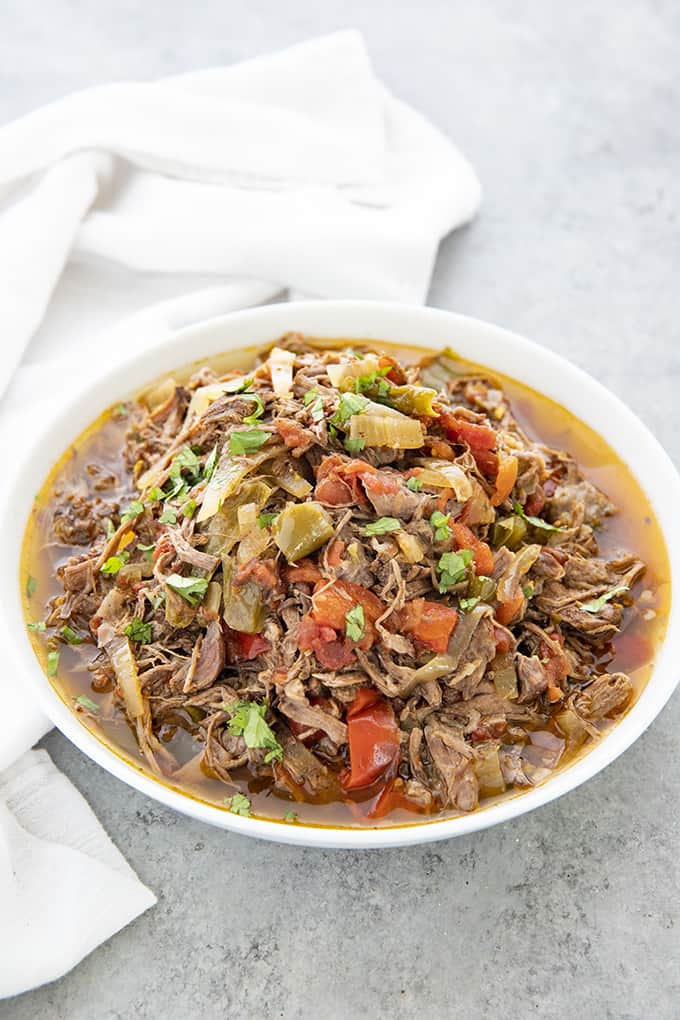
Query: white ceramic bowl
<point x="414" y="326"/>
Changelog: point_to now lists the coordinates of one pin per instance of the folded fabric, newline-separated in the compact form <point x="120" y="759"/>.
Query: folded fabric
<point x="293" y="171"/>
<point x="298" y="169"/>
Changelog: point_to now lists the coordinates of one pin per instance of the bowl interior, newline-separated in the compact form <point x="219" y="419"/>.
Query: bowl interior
<point x="476" y="341"/>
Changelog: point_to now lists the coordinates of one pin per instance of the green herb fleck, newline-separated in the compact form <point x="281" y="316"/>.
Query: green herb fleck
<point x="185" y="461"/>
<point x="155" y="495"/>
<point x="253" y="418"/>
<point x="452" y="567"/>
<point x="290" y="816"/>
<point x="264" y="520"/>
<point x="349" y="404"/>
<point x="414" y="484"/>
<point x="355" y="445"/>
<point x="158" y="600"/>
<point x="113" y="564"/>
<point x="147" y="550"/>
<point x="121" y="409"/>
<point x="192" y="589"/>
<point x="439" y="522"/>
<point x="355" y="623"/>
<point x="595" y="605"/>
<point x="52" y="663"/>
<point x="382" y="526"/>
<point x="210" y="464"/>
<point x="238" y="805"/>
<point x="31" y="585"/>
<point x="70" y="636"/>
<point x="39" y="626"/>
<point x="536" y="521"/>
<point x="139" y="631"/>
<point x="528" y="590"/>
<point x="135" y="508"/>
<point x="242" y="443"/>
<point x="374" y="380"/>
<point x="467" y="604"/>
<point x="110" y="529"/>
<point x="240" y="384"/>
<point x="168" y="516"/>
<point x="310" y="396"/>
<point x="189" y="508"/>
<point x="87" y="703"/>
<point x="316" y="410"/>
<point x="248" y="721"/>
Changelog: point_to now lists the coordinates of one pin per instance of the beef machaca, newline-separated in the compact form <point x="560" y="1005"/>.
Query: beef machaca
<point x="339" y="585"/>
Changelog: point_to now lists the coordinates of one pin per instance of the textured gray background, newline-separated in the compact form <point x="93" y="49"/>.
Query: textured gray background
<point x="570" y="113"/>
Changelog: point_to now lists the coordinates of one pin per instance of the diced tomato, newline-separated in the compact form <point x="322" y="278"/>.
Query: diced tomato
<point x="304" y="570"/>
<point x="395" y="374"/>
<point x="505" y="480"/>
<point x="481" y="553"/>
<point x="431" y="623"/>
<point x="293" y="434"/>
<point x="331" y="603"/>
<point x="480" y="438"/>
<point x="323" y="641"/>
<point x="373" y="737"/>
<point x="380" y="483"/>
<point x="251" y="645"/>
<point x="263" y="572"/>
<point x="535" y="503"/>
<point x="390" y="799"/>
<point x="337" y="481"/>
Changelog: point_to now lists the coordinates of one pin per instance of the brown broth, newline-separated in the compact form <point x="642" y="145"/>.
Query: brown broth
<point x="633" y="528"/>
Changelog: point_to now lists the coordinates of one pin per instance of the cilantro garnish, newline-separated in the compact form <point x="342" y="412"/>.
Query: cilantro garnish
<point x="452" y="567"/>
<point x="192" y="589"/>
<point x="242" y="443"/>
<point x="70" y="635"/>
<point x="536" y="521"/>
<point x="210" y="464"/>
<point x="595" y="605"/>
<point x="39" y="626"/>
<point x="414" y="484"/>
<point x="114" y="563"/>
<point x="264" y="520"/>
<point x="290" y="816"/>
<point x="355" y="623"/>
<point x="52" y="663"/>
<point x="31" y="585"/>
<point x="248" y="721"/>
<point x="467" y="604"/>
<point x="348" y="405"/>
<point x="253" y="418"/>
<point x="238" y="805"/>
<point x="135" y="508"/>
<point x="168" y="516"/>
<point x="139" y="631"/>
<point x="354" y="445"/>
<point x="382" y="526"/>
<point x="439" y="522"/>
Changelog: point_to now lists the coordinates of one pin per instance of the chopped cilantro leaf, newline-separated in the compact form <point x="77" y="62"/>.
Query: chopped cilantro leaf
<point x="439" y="522"/>
<point x="210" y="464"/>
<point x="238" y="805"/>
<point x="135" y="508"/>
<point x="253" y="418"/>
<point x="52" y="663"/>
<point x="241" y="443"/>
<point x="595" y="605"/>
<point x="168" y="516"/>
<point x="355" y="445"/>
<point x="241" y="384"/>
<point x="39" y="626"/>
<point x="316" y="410"/>
<point x="159" y="600"/>
<point x="290" y="816"/>
<point x="414" y="484"/>
<point x="264" y="520"/>
<point x="452" y="567"/>
<point x="355" y="623"/>
<point x="139" y="631"/>
<point x="382" y="526"/>
<point x="192" y="589"/>
<point x="147" y="550"/>
<point x="310" y="396"/>
<point x="87" y="703"/>
<point x="31" y="585"/>
<point x="528" y="590"/>
<point x="189" y="508"/>
<point x="110" y="529"/>
<point x="536" y="521"/>
<point x="373" y="381"/>
<point x="114" y="563"/>
<point x="248" y="721"/>
<point x="349" y="404"/>
<point x="185" y="461"/>
<point x="155" y="495"/>
<point x="467" y="604"/>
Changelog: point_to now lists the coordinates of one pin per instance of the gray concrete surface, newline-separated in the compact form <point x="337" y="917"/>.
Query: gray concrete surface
<point x="570" y="113"/>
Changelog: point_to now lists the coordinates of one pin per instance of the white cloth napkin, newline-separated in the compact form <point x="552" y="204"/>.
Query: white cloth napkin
<point x="293" y="171"/>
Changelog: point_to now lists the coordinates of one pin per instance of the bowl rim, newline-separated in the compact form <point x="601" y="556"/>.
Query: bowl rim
<point x="502" y="351"/>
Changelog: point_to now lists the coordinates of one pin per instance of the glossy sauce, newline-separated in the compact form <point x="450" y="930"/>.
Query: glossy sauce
<point x="633" y="528"/>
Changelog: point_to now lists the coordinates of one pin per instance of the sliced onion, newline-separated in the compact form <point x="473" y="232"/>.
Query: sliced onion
<point x="410" y="546"/>
<point x="347" y="371"/>
<point x="443" y="474"/>
<point x="399" y="433"/>
<point x="280" y="365"/>
<point x="127" y="678"/>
